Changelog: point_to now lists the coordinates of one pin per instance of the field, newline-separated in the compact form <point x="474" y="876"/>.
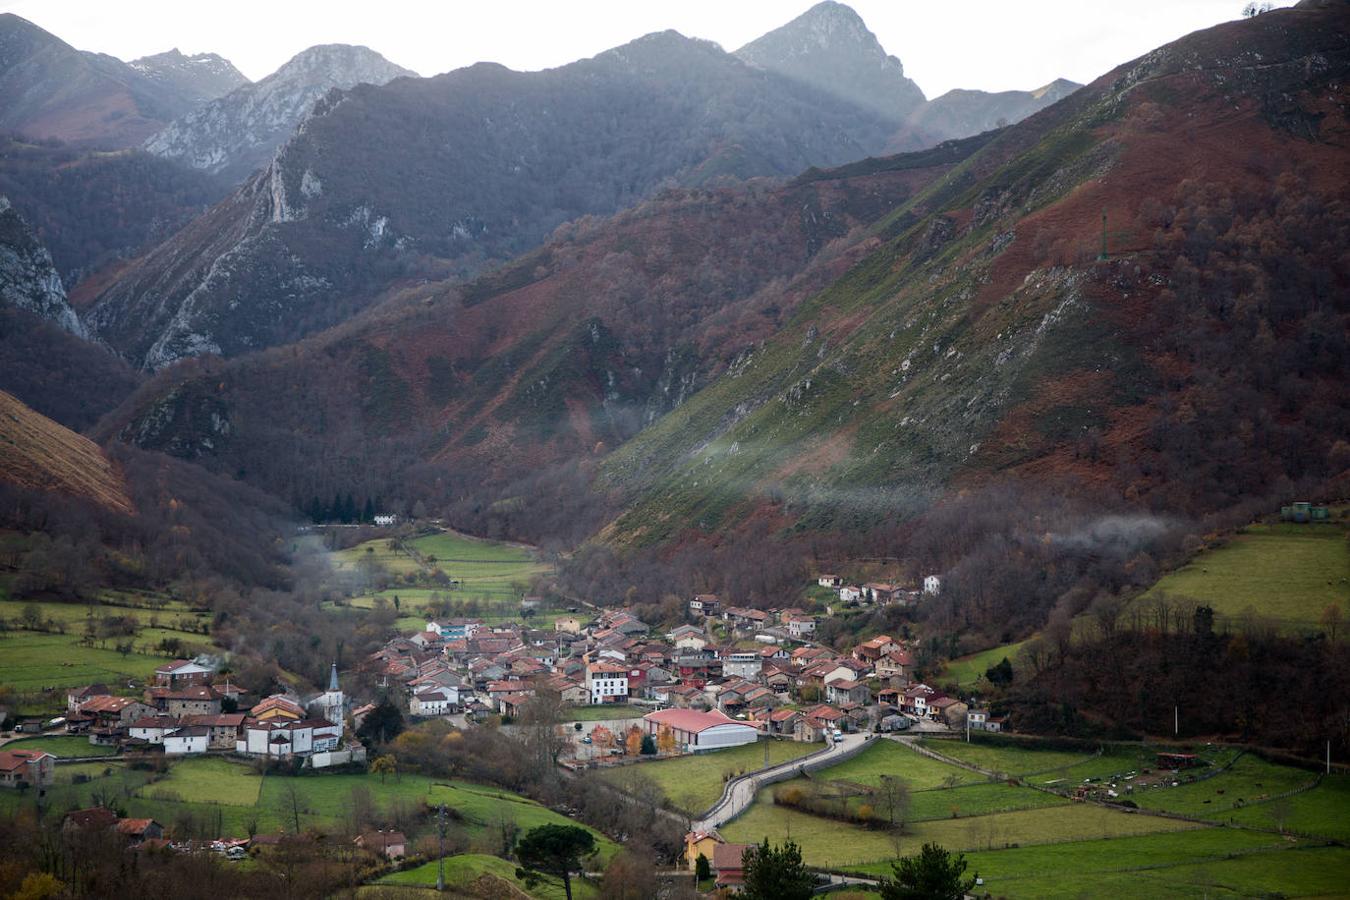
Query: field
<point x="1289" y="872"/>
<point x="62" y="745"/>
<point x="482" y="568"/>
<point x="1208" y="862"/>
<point x="1285" y="573"/>
<point x="892" y="758"/>
<point x="604" y="712"/>
<point x="33" y="661"/>
<point x="210" y="790"/>
<point x="1323" y="811"/>
<point x="826" y="842"/>
<point x="1005" y="758"/>
<point x="969" y="669"/>
<point x="485" y="578"/>
<point x="693" y="783"/>
<point x="460" y="871"/>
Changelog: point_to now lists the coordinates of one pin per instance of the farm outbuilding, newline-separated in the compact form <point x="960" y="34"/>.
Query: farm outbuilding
<point x="696" y="731"/>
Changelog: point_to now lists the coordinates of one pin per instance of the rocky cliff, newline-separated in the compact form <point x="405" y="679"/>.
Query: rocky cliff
<point x="28" y="280"/>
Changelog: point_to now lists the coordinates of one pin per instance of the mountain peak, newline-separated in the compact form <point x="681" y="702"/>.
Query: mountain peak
<point x="238" y="132"/>
<point x="830" y="48"/>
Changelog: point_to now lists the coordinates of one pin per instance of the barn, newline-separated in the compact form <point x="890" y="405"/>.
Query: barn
<point x="696" y="731"/>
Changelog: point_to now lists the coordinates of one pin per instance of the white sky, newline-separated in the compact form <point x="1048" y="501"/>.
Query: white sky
<point x="986" y="44"/>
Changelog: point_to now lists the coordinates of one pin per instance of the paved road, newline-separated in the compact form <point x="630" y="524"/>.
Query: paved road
<point x="743" y="789"/>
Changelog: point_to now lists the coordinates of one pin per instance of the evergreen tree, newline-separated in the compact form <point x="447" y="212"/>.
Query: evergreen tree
<point x="776" y="873"/>
<point x="935" y="874"/>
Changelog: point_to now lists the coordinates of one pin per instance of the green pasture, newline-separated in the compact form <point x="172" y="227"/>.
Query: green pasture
<point x="1289" y="872"/>
<point x="892" y="758"/>
<point x="207" y="788"/>
<point x="969" y="669"/>
<point x="1323" y="811"/>
<point x="1249" y="780"/>
<point x="69" y="746"/>
<point x="1006" y="758"/>
<point x="694" y="783"/>
<point x="603" y="713"/>
<point x="461" y="871"/>
<point x="32" y="661"/>
<point x="1286" y="573"/>
<point x="826" y="842"/>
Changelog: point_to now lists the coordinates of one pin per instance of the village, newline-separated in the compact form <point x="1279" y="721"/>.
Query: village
<point x="743" y="673"/>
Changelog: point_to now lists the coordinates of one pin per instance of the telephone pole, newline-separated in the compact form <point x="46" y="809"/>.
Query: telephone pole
<point x="440" y="856"/>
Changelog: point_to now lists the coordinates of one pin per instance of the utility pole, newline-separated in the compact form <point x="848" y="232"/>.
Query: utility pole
<point x="440" y="861"/>
<point x="1176" y="721"/>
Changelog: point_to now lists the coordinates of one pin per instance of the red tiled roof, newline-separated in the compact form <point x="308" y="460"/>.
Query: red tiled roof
<point x="14" y="759"/>
<point x="691" y="720"/>
<point x="729" y="856"/>
<point x="133" y="826"/>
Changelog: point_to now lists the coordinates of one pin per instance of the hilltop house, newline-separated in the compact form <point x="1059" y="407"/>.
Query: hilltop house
<point x="182" y="672"/>
<point x="706" y="605"/>
<point x="932" y="584"/>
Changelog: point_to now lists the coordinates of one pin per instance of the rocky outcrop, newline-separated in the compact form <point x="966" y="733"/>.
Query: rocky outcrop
<point x="237" y="133"/>
<point x="28" y="280"/>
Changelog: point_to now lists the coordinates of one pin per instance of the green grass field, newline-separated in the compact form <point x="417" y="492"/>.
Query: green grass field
<point x="212" y="789"/>
<point x="1323" y="811"/>
<point x="1006" y="758"/>
<point x="891" y="758"/>
<point x="62" y="745"/>
<point x="693" y="783"/>
<point x="208" y="780"/>
<point x="1249" y="780"/>
<point x="1286" y="573"/>
<point x="461" y="871"/>
<point x="483" y="568"/>
<point x="1287" y="872"/>
<point x="32" y="661"/>
<point x="604" y="713"/>
<point x="969" y="669"/>
<point x="976" y="799"/>
<point x="169" y="616"/>
<point x="826" y="842"/>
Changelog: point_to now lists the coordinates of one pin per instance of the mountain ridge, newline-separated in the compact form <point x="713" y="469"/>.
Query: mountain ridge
<point x="510" y="155"/>
<point x="236" y="133"/>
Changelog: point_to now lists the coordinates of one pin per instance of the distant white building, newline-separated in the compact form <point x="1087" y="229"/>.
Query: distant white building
<point x="192" y="739"/>
<point x="932" y="584"/>
<point x="743" y="664"/>
<point x="386" y="521"/>
<point x="850" y="594"/>
<point x="606" y="683"/>
<point x="433" y="702"/>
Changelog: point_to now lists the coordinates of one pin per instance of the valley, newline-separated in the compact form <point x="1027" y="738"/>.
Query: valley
<point x="662" y="468"/>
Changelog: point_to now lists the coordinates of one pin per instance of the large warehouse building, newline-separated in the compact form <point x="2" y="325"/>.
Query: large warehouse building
<point x="695" y="731"/>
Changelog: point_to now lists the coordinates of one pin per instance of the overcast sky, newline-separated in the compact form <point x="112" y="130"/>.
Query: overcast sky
<point x="986" y="44"/>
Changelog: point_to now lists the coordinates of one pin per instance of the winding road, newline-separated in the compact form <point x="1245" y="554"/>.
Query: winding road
<point x="740" y="792"/>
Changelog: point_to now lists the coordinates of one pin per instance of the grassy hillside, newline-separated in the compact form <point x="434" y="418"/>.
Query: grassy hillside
<point x="984" y="335"/>
<point x="36" y="452"/>
<point x="1286" y="573"/>
<point x="206" y="790"/>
